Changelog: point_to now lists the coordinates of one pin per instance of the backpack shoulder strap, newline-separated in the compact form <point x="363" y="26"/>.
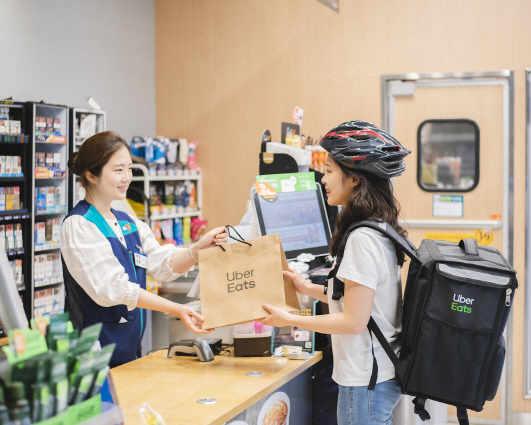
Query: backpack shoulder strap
<point x="400" y="242"/>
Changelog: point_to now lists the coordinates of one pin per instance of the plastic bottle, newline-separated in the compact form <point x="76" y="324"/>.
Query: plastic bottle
<point x="17" y="404"/>
<point x="4" y="415"/>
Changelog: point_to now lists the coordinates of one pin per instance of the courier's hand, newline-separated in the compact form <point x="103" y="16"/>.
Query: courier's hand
<point x="277" y="317"/>
<point x="191" y="319"/>
<point x="301" y="284"/>
<point x="215" y="237"/>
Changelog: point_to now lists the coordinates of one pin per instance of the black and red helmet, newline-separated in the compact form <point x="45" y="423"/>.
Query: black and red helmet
<point x="363" y="146"/>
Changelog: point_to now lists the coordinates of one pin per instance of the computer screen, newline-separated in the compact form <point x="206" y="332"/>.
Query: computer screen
<point x="299" y="218"/>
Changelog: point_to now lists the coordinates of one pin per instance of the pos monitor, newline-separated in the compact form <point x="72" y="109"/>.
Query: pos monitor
<point x="299" y="218"/>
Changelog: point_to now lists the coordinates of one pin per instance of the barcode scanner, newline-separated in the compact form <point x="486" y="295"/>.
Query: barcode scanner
<point x="197" y="346"/>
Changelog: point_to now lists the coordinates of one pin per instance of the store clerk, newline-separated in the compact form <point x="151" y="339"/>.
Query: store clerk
<point x="107" y="254"/>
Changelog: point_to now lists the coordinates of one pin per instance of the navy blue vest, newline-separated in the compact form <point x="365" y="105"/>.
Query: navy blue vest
<point x="85" y="312"/>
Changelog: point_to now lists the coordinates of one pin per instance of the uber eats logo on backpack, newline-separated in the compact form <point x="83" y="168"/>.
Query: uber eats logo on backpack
<point x="461" y="304"/>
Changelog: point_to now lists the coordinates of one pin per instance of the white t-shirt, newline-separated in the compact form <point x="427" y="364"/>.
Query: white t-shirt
<point x="369" y="260"/>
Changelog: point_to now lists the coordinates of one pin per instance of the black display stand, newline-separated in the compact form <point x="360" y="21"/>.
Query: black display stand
<point x="10" y="146"/>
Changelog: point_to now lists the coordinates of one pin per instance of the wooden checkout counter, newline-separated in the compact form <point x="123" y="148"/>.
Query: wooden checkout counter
<point x="173" y="386"/>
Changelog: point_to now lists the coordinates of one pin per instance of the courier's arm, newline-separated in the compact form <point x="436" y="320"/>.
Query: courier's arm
<point x="352" y="320"/>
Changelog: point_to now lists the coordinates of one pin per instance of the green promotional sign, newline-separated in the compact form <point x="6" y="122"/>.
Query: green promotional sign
<point x="290" y="182"/>
<point x="24" y="344"/>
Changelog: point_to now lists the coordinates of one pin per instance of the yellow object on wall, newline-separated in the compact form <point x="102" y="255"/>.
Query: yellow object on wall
<point x="483" y="237"/>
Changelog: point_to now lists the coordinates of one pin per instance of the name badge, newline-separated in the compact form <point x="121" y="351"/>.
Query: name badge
<point x="141" y="260"/>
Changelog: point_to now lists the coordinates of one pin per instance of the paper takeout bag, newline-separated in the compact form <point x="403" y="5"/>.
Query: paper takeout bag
<point x="236" y="282"/>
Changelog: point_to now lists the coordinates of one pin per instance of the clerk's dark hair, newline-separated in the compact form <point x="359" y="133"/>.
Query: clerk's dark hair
<point x="372" y="199"/>
<point x="94" y="153"/>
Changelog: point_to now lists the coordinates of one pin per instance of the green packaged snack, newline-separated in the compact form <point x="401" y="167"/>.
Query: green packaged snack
<point x="101" y="375"/>
<point x="83" y="367"/>
<point x="4" y="414"/>
<point x="17" y="404"/>
<point x="85" y="342"/>
<point x="39" y="401"/>
<point x="59" y="384"/>
<point x="57" y="330"/>
<point x="101" y="368"/>
<point x="73" y="338"/>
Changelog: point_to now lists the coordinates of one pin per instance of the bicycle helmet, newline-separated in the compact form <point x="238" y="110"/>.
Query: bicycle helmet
<point x="363" y="146"/>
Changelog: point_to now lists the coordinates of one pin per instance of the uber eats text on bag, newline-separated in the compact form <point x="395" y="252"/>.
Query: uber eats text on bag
<point x="456" y="303"/>
<point x="238" y="278"/>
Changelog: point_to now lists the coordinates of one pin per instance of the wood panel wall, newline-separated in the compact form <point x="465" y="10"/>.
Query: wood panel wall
<point x="227" y="70"/>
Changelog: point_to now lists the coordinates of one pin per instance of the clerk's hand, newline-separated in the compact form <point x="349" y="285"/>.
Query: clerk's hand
<point x="191" y="319"/>
<point x="277" y="317"/>
<point x="215" y="237"/>
<point x="301" y="284"/>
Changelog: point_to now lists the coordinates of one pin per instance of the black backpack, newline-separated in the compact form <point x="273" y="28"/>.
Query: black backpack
<point x="456" y="303"/>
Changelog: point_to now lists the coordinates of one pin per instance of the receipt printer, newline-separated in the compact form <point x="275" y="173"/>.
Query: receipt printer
<point x="197" y="346"/>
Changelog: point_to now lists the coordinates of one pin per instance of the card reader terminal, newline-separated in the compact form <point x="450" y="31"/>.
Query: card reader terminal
<point x="199" y="346"/>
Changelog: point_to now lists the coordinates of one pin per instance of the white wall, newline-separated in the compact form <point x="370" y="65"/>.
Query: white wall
<point x="63" y="51"/>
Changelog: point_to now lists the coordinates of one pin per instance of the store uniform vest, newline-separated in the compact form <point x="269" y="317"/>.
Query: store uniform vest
<point x="85" y="312"/>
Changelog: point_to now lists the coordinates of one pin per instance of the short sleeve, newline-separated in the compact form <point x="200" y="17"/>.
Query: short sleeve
<point x="362" y="260"/>
<point x="90" y="260"/>
<point x="159" y="256"/>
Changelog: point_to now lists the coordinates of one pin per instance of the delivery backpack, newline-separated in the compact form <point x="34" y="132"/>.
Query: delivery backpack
<point x="456" y="304"/>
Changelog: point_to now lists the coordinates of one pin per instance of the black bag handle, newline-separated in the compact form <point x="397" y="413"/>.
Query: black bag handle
<point x="228" y="227"/>
<point x="470" y="246"/>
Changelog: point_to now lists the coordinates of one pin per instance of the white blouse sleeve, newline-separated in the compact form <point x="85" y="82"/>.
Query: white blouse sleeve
<point x="159" y="256"/>
<point x="91" y="262"/>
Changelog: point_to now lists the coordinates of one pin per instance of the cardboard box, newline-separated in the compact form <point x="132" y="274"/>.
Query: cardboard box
<point x="2" y="164"/>
<point x="49" y="265"/>
<point x="49" y="159"/>
<point x="57" y="159"/>
<point x="49" y="229"/>
<point x="57" y="197"/>
<point x="41" y="199"/>
<point x="18" y="165"/>
<point x="9" y="164"/>
<point x="10" y="238"/>
<point x="49" y="198"/>
<point x="41" y="233"/>
<point x="2" y="236"/>
<point x="19" y="241"/>
<point x="10" y="198"/>
<point x="16" y="198"/>
<point x="56" y="230"/>
<point x="2" y="199"/>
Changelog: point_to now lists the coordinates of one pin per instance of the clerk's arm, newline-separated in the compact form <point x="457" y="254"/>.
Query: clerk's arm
<point x="167" y="262"/>
<point x="352" y="320"/>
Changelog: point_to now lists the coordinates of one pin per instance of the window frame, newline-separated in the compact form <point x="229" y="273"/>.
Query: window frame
<point x="419" y="154"/>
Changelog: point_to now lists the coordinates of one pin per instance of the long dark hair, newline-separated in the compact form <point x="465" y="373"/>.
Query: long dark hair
<point x="372" y="199"/>
<point x="94" y="153"/>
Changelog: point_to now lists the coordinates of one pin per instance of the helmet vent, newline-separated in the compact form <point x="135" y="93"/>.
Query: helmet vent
<point x="390" y="149"/>
<point x="361" y="137"/>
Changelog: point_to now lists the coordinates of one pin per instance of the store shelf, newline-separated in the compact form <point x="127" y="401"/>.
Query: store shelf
<point x="168" y="178"/>
<point x="47" y="250"/>
<point x="15" y="253"/>
<point x="14" y="215"/>
<point x="50" y="178"/>
<point x="12" y="179"/>
<point x="175" y="215"/>
<point x="48" y="285"/>
<point x="49" y="143"/>
<point x="50" y="214"/>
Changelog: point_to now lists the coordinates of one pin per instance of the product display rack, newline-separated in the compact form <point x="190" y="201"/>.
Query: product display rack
<point x="147" y="179"/>
<point x="47" y="213"/>
<point x="83" y="124"/>
<point x="10" y="146"/>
